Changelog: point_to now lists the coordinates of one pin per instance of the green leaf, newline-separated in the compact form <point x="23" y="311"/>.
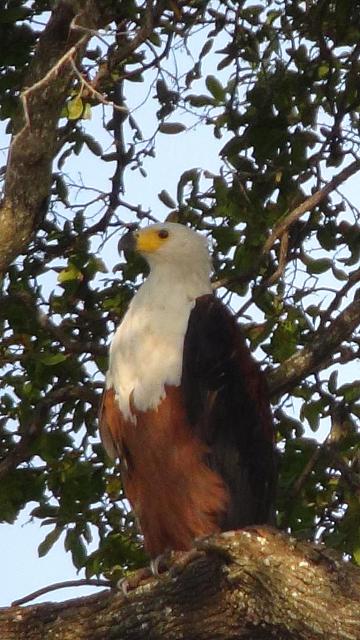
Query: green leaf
<point x="332" y="384"/>
<point x="206" y="48"/>
<point x="93" y="145"/>
<point x="155" y="39"/>
<point x="53" y="358"/>
<point x="162" y="91"/>
<point x="311" y="411"/>
<point x="350" y="392"/>
<point x="62" y="190"/>
<point x="313" y="310"/>
<point x="45" y="511"/>
<point x="75" y="545"/>
<point x="171" y="127"/>
<point x="356" y="554"/>
<point x="339" y="274"/>
<point x="71" y="272"/>
<point x="319" y="266"/>
<point x="201" y="100"/>
<point x="87" y="114"/>
<point x="215" y="87"/>
<point x="14" y="14"/>
<point x="49" y="541"/>
<point x="284" y="340"/>
<point x="138" y="77"/>
<point x="166" y="199"/>
<point x="225" y="62"/>
<point x="323" y="70"/>
<point x="102" y="362"/>
<point x="95" y="265"/>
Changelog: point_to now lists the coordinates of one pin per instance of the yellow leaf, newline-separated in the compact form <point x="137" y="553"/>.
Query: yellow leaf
<point x="87" y="112"/>
<point x="75" y="108"/>
<point x="71" y="272"/>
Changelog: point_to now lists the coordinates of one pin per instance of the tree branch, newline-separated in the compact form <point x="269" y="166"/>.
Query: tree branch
<point x="282" y="227"/>
<point x="308" y="204"/>
<point x="254" y="584"/>
<point x="319" y="354"/>
<point x="28" y="173"/>
<point x="21" y="451"/>
<point x="34" y="143"/>
<point x="66" y="584"/>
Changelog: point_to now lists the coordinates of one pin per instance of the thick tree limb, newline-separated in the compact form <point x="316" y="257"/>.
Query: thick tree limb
<point x="318" y="354"/>
<point x="34" y="143"/>
<point x="251" y="584"/>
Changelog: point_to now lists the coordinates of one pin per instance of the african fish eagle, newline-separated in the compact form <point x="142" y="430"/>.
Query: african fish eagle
<point x="186" y="407"/>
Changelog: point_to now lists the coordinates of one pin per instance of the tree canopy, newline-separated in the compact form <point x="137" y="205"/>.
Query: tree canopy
<point x="276" y="85"/>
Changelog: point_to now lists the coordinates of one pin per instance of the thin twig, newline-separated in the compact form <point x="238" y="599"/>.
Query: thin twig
<point x="284" y="244"/>
<point x="21" y="451"/>
<point x="311" y="463"/>
<point x="68" y="56"/>
<point x="96" y="93"/>
<point x="354" y="277"/>
<point x="61" y="585"/>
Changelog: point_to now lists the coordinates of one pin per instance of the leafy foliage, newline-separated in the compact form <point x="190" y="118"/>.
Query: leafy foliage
<point x="282" y="99"/>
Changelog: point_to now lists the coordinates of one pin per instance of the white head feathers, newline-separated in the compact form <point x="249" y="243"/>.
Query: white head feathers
<point x="146" y="352"/>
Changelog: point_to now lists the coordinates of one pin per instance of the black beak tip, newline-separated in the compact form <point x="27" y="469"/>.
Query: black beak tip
<point x="127" y="242"/>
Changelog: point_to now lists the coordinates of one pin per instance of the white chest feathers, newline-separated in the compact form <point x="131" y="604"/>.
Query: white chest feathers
<point x="147" y="349"/>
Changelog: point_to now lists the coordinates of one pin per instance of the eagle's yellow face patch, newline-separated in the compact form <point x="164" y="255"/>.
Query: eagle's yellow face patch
<point x="150" y="240"/>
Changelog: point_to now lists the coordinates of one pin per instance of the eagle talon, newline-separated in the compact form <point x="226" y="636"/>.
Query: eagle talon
<point x="160" y="565"/>
<point x="133" y="581"/>
<point x="123" y="586"/>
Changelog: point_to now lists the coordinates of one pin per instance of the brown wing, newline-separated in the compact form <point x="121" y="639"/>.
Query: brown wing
<point x="175" y="495"/>
<point x="111" y="424"/>
<point x="227" y="405"/>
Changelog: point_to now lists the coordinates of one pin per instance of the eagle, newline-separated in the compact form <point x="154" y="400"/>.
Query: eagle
<point x="186" y="407"/>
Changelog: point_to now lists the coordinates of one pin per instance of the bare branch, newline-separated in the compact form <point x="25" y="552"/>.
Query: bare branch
<point x="28" y="173"/>
<point x="318" y="354"/>
<point x="94" y="93"/>
<point x="35" y="141"/>
<point x="60" y="585"/>
<point x="284" y="244"/>
<point x="354" y="277"/>
<point x="306" y="472"/>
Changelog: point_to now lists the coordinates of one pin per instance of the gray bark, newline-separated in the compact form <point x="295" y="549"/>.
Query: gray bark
<point x="252" y="584"/>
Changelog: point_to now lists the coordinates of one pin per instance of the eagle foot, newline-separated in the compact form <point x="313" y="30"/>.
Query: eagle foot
<point x="134" y="580"/>
<point x="160" y="564"/>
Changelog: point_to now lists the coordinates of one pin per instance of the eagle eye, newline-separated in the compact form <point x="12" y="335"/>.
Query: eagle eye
<point x="163" y="233"/>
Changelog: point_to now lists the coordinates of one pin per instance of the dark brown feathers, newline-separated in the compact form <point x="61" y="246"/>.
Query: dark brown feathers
<point x="175" y="495"/>
<point x="227" y="404"/>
